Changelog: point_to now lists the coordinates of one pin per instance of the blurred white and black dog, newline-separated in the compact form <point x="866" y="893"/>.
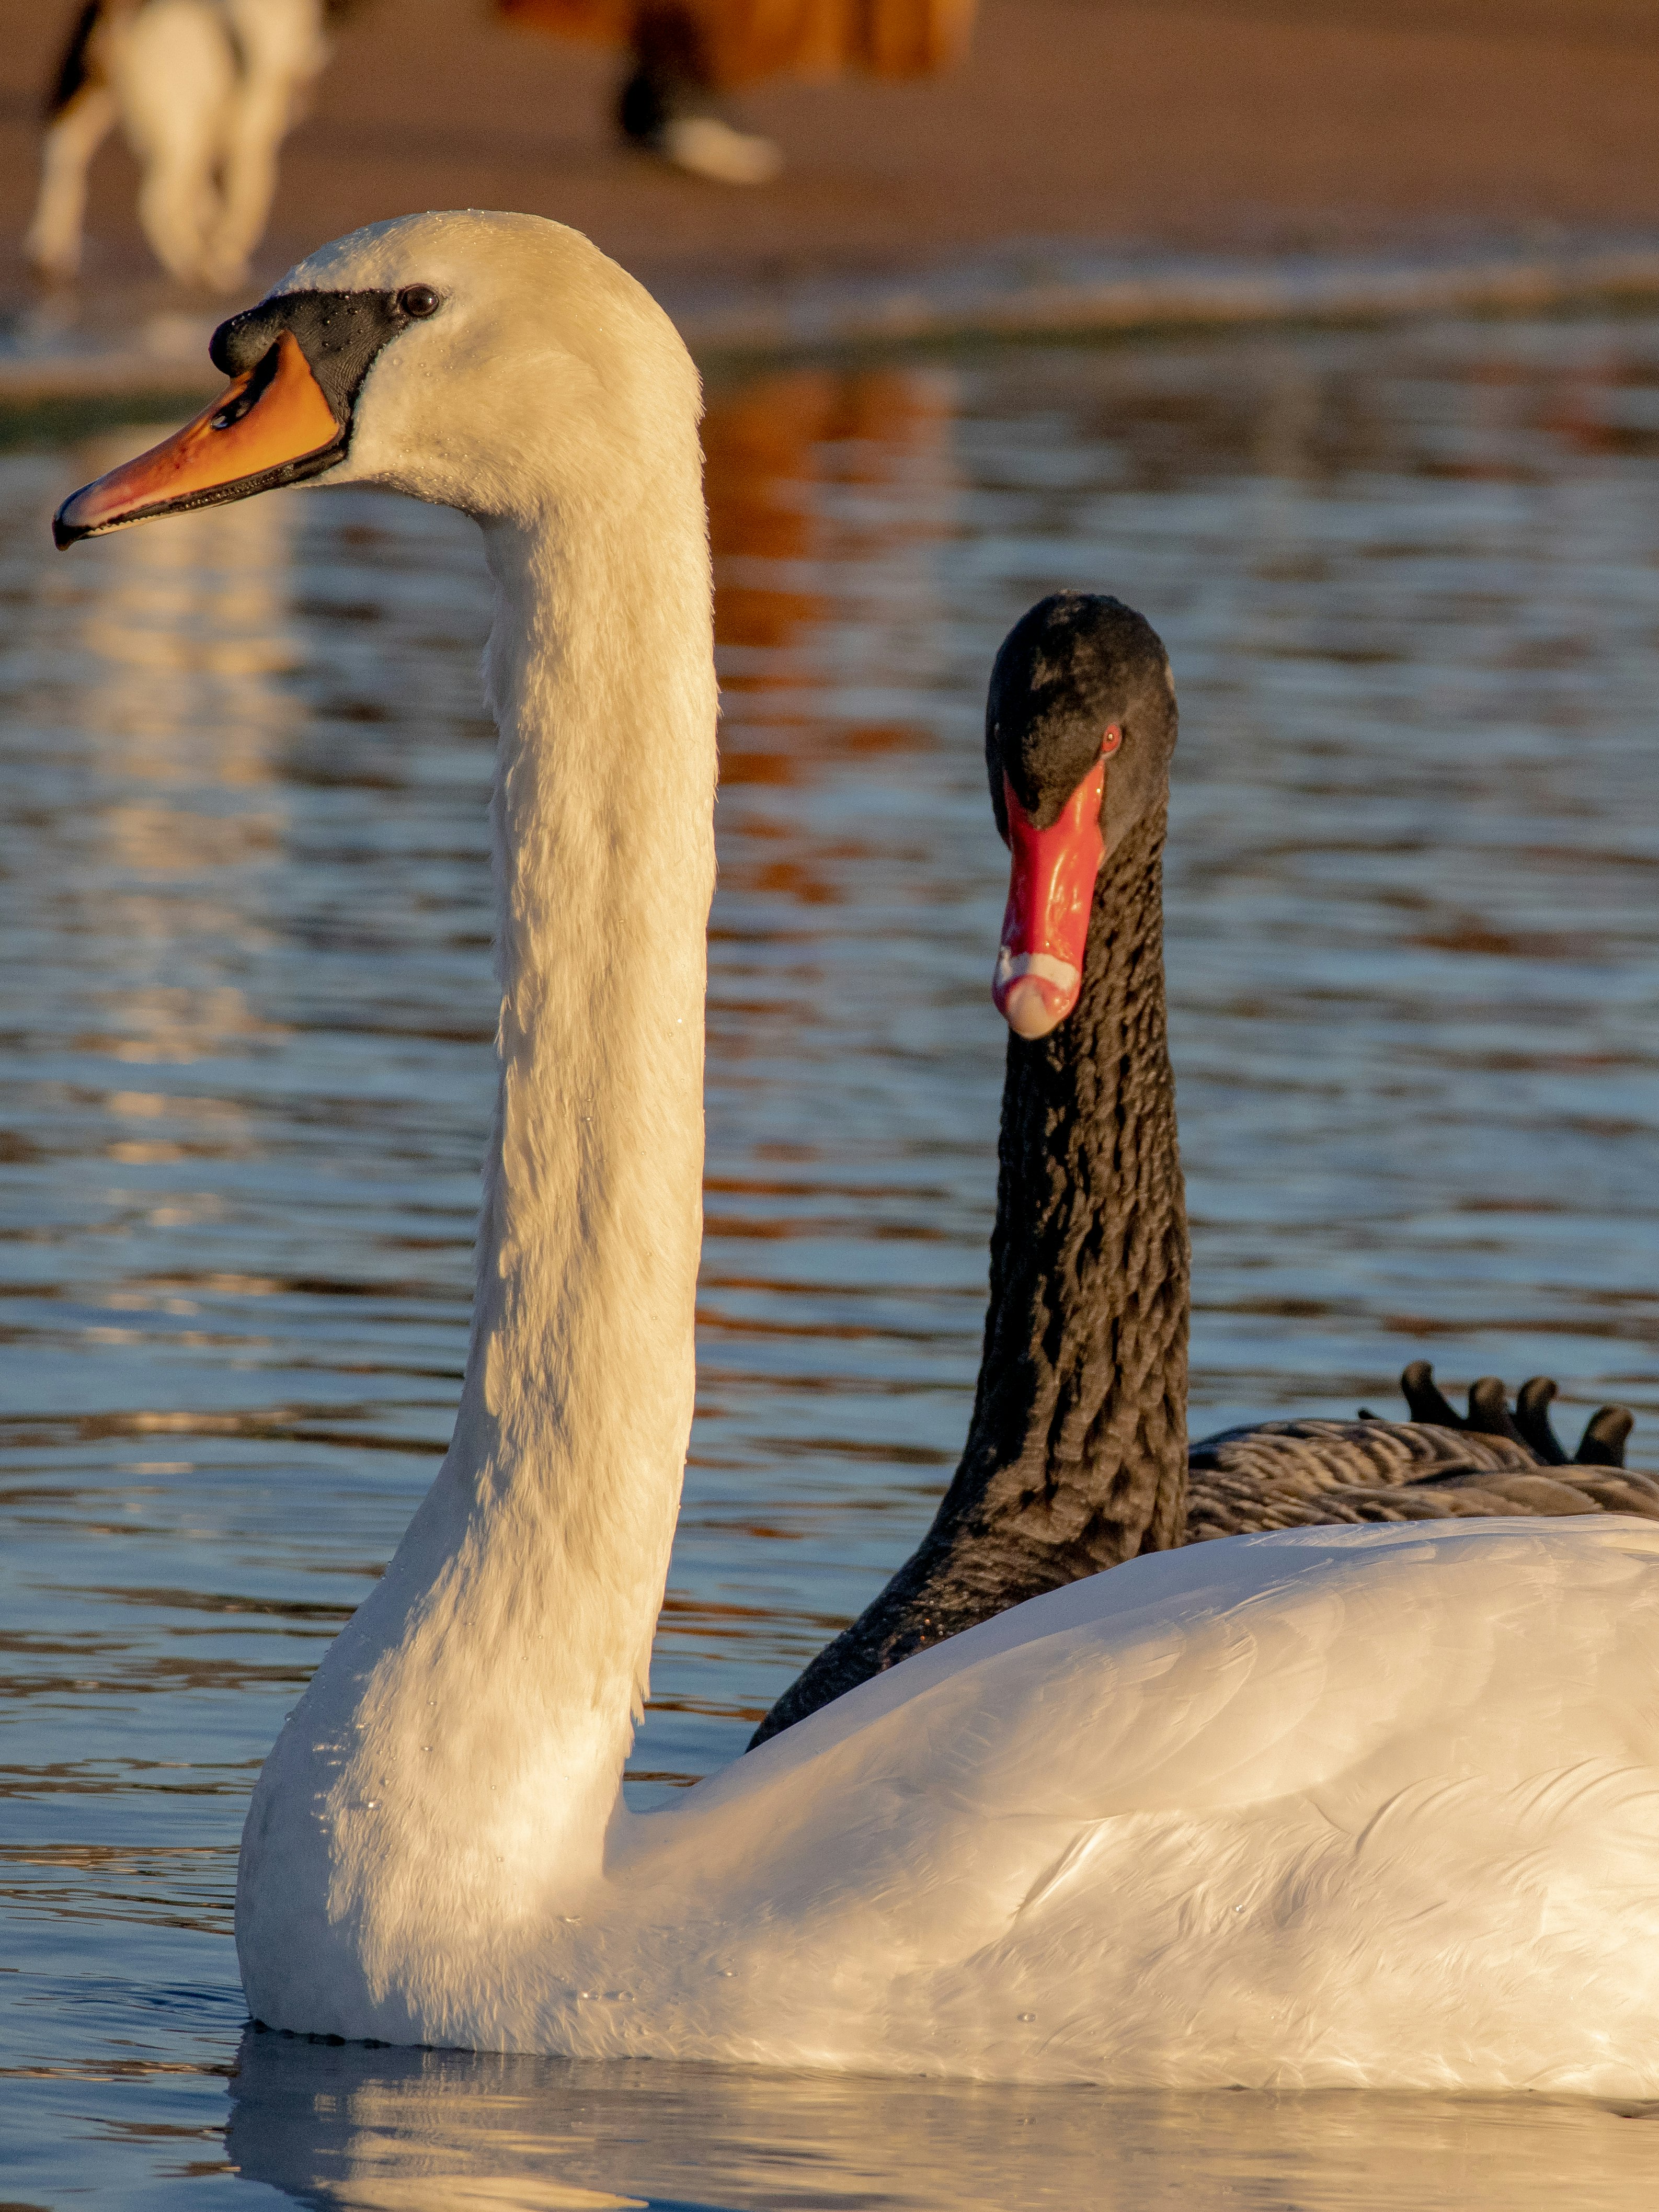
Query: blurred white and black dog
<point x="204" y="92"/>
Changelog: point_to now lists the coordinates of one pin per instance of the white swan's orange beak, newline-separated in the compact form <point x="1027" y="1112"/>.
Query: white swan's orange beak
<point x="1051" y="890"/>
<point x="269" y="427"/>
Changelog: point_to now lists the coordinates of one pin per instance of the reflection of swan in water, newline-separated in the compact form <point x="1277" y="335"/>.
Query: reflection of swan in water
<point x="175" y="644"/>
<point x="350" y="2130"/>
<point x="1363" y="1806"/>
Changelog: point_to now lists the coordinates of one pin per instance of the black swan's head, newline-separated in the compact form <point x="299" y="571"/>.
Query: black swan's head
<point x="1080" y="727"/>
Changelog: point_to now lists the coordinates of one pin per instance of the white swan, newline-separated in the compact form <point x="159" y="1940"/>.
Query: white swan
<point x="1350" y="1805"/>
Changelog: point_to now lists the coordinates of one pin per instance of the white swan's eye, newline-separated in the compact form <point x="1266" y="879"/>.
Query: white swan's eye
<point x="418" y="299"/>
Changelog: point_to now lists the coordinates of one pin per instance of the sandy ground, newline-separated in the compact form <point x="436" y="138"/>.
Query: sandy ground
<point x="1258" y="124"/>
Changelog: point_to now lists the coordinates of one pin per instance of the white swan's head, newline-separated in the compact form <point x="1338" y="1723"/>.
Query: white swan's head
<point x="496" y="363"/>
<point x="1080" y="730"/>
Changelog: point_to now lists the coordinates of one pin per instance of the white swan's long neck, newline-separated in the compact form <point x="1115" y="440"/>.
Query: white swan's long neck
<point x="472" y="1722"/>
<point x="577" y="1403"/>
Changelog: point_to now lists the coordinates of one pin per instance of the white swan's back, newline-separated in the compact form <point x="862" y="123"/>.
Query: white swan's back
<point x="1360" y="1805"/>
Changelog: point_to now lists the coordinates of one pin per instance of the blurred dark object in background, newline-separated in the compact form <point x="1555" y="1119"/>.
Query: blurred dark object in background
<point x="685" y="54"/>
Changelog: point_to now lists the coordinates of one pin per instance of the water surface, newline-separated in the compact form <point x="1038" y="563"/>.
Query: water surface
<point x="1410" y="583"/>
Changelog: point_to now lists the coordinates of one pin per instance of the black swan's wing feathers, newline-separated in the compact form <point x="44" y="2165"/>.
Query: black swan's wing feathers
<point x="1313" y="1456"/>
<point x="1440" y="1464"/>
<point x="1602" y="1443"/>
<point x="1292" y="1474"/>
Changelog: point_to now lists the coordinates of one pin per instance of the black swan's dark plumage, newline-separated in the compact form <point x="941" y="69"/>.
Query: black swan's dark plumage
<point x="1077" y="1455"/>
<point x="1438" y="1466"/>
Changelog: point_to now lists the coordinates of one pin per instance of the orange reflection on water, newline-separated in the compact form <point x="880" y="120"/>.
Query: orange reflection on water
<point x="810" y="475"/>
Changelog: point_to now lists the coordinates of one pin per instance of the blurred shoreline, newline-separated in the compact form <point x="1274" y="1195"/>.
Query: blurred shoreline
<point x="1092" y="166"/>
<point x="159" y="352"/>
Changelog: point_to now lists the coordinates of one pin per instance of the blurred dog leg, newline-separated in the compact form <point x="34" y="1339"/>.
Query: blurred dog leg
<point x="79" y="113"/>
<point x="283" y="54"/>
<point x="74" y="135"/>
<point x="174" y="71"/>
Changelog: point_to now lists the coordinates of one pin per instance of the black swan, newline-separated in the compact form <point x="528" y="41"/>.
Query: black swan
<point x="1077" y="1455"/>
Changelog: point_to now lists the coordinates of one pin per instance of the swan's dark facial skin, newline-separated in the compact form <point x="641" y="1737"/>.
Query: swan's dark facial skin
<point x="1078" y="664"/>
<point x="299" y="361"/>
<point x="340" y="334"/>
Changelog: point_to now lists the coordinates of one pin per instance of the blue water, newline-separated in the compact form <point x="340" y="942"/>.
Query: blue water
<point x="1410" y="584"/>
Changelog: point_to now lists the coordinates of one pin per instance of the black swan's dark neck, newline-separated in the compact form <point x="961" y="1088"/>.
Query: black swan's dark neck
<point x="1078" y="1437"/>
<point x="1076" y="1456"/>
